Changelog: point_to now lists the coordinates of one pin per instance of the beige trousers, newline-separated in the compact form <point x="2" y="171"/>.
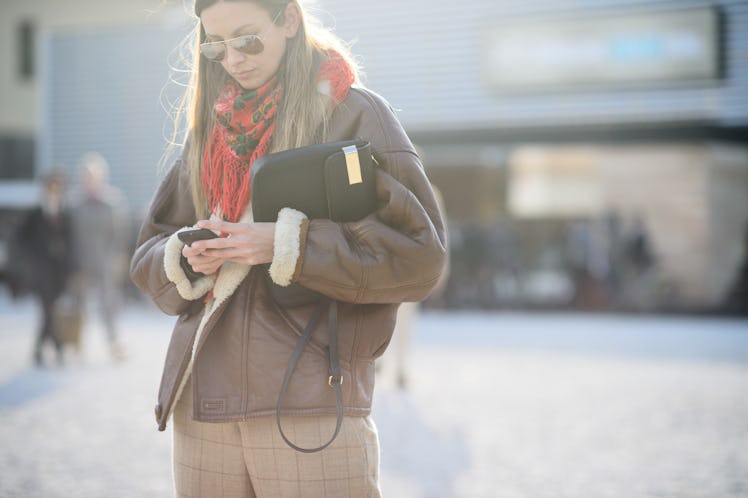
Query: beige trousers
<point x="249" y="459"/>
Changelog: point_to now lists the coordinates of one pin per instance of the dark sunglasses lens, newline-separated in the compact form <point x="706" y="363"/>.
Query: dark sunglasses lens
<point x="250" y="45"/>
<point x="213" y="52"/>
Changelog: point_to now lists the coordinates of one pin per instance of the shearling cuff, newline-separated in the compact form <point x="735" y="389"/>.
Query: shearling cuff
<point x="290" y="230"/>
<point x="189" y="290"/>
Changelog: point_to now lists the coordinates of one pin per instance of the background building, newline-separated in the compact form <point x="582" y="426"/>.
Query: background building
<point x="87" y="75"/>
<point x="78" y="76"/>
<point x="558" y="132"/>
<point x="536" y="115"/>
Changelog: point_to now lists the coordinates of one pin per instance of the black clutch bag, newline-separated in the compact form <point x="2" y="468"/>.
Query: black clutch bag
<point x="332" y="180"/>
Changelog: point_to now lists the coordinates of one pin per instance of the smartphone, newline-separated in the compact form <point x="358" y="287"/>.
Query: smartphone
<point x="190" y="236"/>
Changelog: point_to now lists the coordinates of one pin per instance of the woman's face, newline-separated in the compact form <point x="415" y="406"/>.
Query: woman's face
<point x="229" y="19"/>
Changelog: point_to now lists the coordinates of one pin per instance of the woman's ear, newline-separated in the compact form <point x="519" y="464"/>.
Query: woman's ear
<point x="292" y="18"/>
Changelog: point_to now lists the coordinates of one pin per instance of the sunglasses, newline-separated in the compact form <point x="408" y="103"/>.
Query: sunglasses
<point x="246" y="44"/>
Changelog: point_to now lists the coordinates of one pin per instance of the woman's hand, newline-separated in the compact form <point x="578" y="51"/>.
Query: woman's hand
<point x="247" y="243"/>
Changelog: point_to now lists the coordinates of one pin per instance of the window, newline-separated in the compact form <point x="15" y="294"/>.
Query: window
<point x="26" y="35"/>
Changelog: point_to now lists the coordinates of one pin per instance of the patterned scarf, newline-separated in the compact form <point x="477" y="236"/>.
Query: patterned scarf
<point x="245" y="122"/>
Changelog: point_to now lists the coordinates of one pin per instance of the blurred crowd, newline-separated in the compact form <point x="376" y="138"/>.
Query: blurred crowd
<point x="604" y="264"/>
<point x="69" y="252"/>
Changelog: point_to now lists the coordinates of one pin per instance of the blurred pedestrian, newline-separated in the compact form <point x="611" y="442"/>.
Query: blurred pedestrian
<point x="577" y="247"/>
<point x="736" y="298"/>
<point x="268" y="80"/>
<point x="638" y="268"/>
<point x="610" y="255"/>
<point x="102" y="231"/>
<point x="45" y="242"/>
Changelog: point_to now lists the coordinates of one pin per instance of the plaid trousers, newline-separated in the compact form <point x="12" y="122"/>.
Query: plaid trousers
<point x="249" y="459"/>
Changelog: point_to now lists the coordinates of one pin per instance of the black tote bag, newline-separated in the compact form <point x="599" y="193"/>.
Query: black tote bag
<point x="331" y="180"/>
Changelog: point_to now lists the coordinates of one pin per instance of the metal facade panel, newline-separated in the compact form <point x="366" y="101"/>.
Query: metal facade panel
<point x="105" y="91"/>
<point x="427" y="59"/>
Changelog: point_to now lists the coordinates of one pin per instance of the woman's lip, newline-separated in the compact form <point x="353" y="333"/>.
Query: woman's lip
<point x="243" y="74"/>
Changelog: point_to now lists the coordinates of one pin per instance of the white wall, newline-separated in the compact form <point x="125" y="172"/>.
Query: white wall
<point x="19" y="100"/>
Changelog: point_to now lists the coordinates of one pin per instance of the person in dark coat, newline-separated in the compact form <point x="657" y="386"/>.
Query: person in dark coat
<point x="736" y="300"/>
<point x="45" y="243"/>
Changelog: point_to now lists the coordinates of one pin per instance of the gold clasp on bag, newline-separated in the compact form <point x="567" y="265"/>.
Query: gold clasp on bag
<point x="353" y="165"/>
<point x="335" y="379"/>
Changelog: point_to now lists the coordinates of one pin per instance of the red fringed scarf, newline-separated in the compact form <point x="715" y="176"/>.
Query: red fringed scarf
<point x="245" y="122"/>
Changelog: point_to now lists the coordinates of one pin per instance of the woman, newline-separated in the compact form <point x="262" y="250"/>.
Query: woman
<point x="267" y="80"/>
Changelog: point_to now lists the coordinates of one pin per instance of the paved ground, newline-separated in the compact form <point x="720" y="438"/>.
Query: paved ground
<point x="499" y="405"/>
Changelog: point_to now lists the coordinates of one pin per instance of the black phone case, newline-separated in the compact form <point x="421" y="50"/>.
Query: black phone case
<point x="190" y="236"/>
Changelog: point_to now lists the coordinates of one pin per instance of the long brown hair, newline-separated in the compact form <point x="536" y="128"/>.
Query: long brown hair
<point x="304" y="111"/>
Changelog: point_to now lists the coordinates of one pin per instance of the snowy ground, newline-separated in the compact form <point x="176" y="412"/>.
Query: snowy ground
<point x="498" y="405"/>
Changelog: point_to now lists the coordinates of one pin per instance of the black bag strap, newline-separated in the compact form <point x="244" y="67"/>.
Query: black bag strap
<point x="335" y="379"/>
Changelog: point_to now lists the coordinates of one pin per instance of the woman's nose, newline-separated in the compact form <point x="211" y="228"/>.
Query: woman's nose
<point x="233" y="56"/>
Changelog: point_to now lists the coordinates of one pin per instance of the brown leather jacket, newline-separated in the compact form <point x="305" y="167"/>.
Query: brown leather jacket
<point x="237" y="345"/>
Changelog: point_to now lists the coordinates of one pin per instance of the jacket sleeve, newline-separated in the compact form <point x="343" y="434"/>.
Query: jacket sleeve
<point x="155" y="267"/>
<point x="395" y="254"/>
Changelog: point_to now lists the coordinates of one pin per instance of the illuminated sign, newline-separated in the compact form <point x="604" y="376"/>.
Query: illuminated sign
<point x="658" y="46"/>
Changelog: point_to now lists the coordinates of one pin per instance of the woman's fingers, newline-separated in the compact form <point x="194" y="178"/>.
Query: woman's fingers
<point x="247" y="243"/>
<point x="221" y="226"/>
<point x="217" y="243"/>
<point x="204" y="263"/>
